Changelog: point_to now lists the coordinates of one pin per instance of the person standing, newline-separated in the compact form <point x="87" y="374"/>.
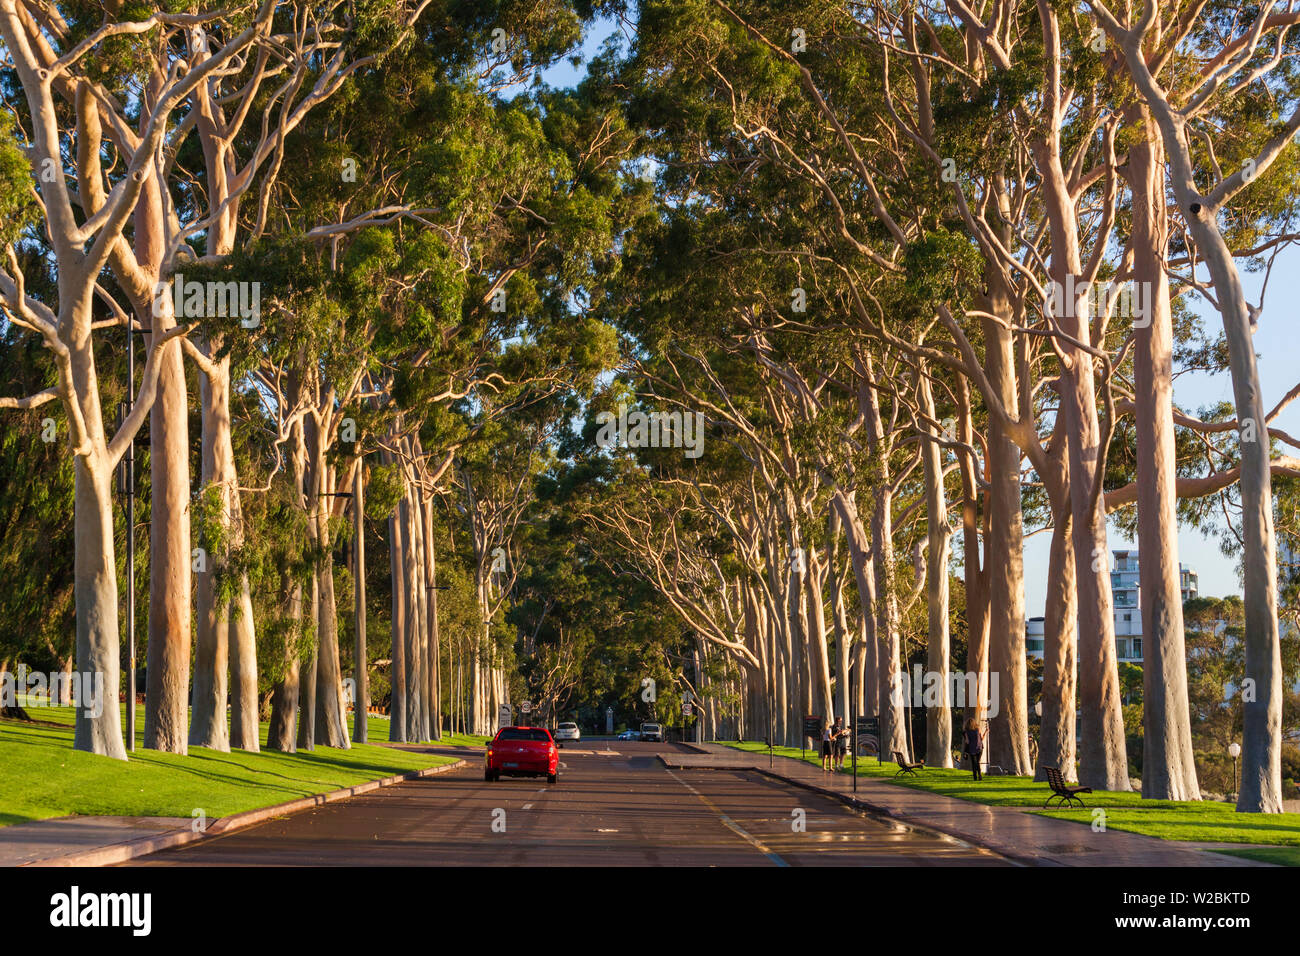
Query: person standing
<point x="974" y="747"/>
<point x="827" y="743"/>
<point x="841" y="737"/>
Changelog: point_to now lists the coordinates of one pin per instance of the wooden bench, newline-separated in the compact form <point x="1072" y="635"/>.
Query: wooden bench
<point x="1061" y="790"/>
<point x="904" y="767"/>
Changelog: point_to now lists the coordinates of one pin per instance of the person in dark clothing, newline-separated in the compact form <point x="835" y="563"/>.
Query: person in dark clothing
<point x="974" y="747"/>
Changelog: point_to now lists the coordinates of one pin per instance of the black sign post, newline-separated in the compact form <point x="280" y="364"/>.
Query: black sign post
<point x="870" y="726"/>
<point x="812" y="727"/>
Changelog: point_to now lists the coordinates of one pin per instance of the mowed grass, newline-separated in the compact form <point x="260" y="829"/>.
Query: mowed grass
<point x="1276" y="836"/>
<point x="41" y="775"/>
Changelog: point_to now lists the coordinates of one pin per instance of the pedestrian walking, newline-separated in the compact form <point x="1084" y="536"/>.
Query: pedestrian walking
<point x="974" y="747"/>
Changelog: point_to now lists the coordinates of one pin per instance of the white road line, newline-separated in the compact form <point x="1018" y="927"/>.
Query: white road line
<point x="527" y="806"/>
<point x="732" y="824"/>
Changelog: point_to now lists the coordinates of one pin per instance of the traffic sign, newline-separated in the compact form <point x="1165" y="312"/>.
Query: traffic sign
<point x="686" y="708"/>
<point x="526" y="706"/>
<point x="503" y="716"/>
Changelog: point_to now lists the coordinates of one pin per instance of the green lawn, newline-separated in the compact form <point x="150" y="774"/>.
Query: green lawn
<point x="1276" y="836"/>
<point x="44" y="777"/>
<point x="377" y="732"/>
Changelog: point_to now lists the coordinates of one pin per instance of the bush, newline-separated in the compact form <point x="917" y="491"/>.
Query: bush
<point x="1291" y="761"/>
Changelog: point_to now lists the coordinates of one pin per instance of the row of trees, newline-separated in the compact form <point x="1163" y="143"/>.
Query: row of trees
<point x="855" y="262"/>
<point x="394" y="237"/>
<point x="927" y="267"/>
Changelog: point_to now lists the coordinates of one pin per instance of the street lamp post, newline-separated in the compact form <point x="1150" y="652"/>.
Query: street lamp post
<point x="126" y="483"/>
<point x="1234" y="751"/>
<point x="853" y="729"/>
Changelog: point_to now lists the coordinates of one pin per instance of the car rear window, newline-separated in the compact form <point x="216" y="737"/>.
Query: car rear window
<point x="568" y="726"/>
<point x="651" y="727"/>
<point x="521" y="733"/>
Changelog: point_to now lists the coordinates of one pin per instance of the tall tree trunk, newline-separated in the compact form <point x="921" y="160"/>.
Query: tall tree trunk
<point x="820" y="657"/>
<point x="414" y="631"/>
<point x="1103" y="763"/>
<point x="208" y="727"/>
<point x="307" y="677"/>
<point x="938" y="713"/>
<point x="1008" y="744"/>
<point x="95" y="585"/>
<point x="1056" y="743"/>
<point x="401" y="601"/>
<point x="893" y="726"/>
<point x="166" y="713"/>
<point x="973" y="575"/>
<point x="434" y="693"/>
<point x="1168" y="761"/>
<point x="245" y="729"/>
<point x="284" y="698"/>
<point x="1261" y="771"/>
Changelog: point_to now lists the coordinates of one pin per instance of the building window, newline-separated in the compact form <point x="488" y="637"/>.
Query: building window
<point x="1137" y="648"/>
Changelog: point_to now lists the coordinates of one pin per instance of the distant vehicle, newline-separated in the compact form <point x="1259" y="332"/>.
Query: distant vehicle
<point x="652" y="732"/>
<point x="630" y="735"/>
<point x="567" y="731"/>
<point x="522" y="752"/>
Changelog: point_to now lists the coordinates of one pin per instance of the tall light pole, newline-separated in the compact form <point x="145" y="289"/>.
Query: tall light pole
<point x="361" y="698"/>
<point x="126" y="486"/>
<point x="853" y="726"/>
<point x="1234" y="751"/>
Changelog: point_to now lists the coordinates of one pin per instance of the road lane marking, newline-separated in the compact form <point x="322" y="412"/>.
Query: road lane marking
<point x="527" y="806"/>
<point x="731" y="824"/>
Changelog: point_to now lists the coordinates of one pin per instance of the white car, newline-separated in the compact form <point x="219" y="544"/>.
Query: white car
<point x="652" y="732"/>
<point x="567" y="731"/>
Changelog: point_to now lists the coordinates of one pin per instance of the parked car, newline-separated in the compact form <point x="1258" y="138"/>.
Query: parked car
<point x="522" y="752"/>
<point x="630" y="735"/>
<point x="652" y="732"/>
<point x="567" y="731"/>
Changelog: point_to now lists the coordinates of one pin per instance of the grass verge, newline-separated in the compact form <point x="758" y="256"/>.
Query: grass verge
<point x="44" y="777"/>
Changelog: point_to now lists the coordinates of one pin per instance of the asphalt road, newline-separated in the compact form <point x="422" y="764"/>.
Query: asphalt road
<point x="611" y="807"/>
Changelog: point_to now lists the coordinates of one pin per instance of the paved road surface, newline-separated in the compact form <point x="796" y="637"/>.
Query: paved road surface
<point x="615" y="806"/>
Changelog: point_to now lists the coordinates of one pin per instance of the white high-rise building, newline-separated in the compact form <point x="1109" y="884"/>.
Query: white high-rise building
<point x="1127" y="608"/>
<point x="1128" y="605"/>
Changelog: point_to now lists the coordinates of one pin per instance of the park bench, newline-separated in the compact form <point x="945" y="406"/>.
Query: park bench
<point x="1060" y="790"/>
<point x="904" y="767"/>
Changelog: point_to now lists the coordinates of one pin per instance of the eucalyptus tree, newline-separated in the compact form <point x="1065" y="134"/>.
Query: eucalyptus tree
<point x="58" y="55"/>
<point x="1188" y="65"/>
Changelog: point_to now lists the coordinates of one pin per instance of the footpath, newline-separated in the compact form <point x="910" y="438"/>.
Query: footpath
<point x="1010" y="831"/>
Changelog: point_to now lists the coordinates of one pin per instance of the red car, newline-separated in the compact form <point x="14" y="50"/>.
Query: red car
<point x="522" y="752"/>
